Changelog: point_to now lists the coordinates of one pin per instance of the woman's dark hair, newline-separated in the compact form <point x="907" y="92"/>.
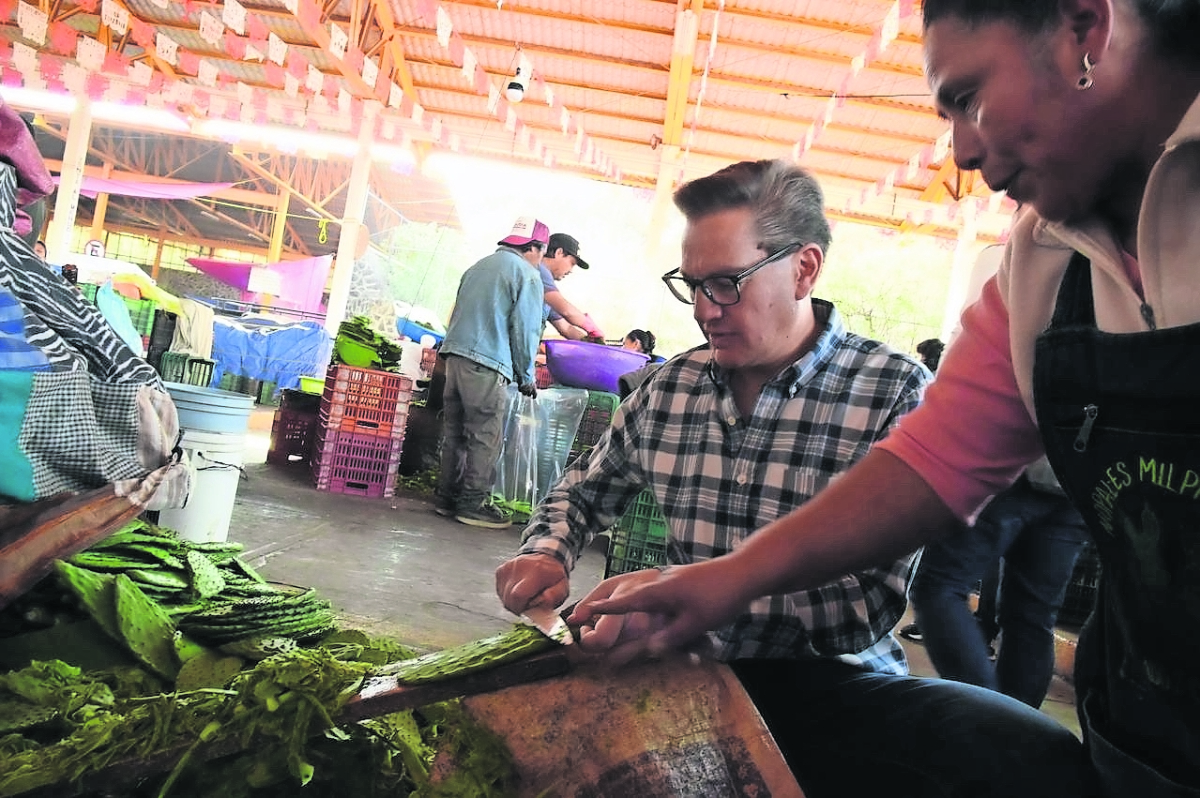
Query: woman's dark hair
<point x="1174" y="24"/>
<point x="645" y="339"/>
<point x="930" y="351"/>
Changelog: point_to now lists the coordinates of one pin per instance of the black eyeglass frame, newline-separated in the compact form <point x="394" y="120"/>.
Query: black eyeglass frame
<point x="735" y="280"/>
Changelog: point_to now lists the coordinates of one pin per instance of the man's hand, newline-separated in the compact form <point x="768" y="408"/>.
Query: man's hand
<point x="591" y="329"/>
<point x="529" y="389"/>
<point x="529" y="580"/>
<point x="647" y="613"/>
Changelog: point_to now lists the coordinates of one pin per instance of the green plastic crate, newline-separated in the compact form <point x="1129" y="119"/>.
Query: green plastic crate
<point x="639" y="539"/>
<point x="267" y="393"/>
<point x="141" y="313"/>
<point x="597" y="418"/>
<point x="88" y="290"/>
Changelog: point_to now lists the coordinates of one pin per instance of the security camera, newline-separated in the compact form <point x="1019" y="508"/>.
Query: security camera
<point x="514" y="92"/>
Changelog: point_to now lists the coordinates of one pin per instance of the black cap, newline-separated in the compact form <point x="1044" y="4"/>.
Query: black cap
<point x="567" y="244"/>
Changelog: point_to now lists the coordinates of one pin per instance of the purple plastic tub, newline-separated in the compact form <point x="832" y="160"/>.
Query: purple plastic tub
<point x="578" y="364"/>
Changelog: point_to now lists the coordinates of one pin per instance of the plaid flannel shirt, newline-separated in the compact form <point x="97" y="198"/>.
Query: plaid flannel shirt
<point x="718" y="477"/>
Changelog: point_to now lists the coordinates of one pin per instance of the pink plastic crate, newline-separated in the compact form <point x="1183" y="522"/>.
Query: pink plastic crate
<point x="362" y="465"/>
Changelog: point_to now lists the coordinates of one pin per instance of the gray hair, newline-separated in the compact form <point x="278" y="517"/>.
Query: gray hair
<point x="786" y="201"/>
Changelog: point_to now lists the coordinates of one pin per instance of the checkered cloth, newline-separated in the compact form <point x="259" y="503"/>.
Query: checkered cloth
<point x="95" y="412"/>
<point x="718" y="476"/>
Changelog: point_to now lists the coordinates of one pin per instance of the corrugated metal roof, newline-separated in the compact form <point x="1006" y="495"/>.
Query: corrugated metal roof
<point x="750" y="79"/>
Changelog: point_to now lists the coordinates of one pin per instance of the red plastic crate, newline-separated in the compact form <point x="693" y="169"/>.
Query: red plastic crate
<point x="362" y="465"/>
<point x="349" y="418"/>
<point x="366" y="400"/>
<point x="293" y="434"/>
<point x="541" y="376"/>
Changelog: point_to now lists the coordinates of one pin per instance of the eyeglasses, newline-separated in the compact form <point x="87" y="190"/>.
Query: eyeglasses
<point x="722" y="289"/>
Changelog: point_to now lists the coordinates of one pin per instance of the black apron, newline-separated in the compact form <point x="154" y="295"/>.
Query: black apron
<point x="1120" y="418"/>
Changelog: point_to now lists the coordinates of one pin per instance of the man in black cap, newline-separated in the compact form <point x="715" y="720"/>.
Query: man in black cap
<point x="562" y="255"/>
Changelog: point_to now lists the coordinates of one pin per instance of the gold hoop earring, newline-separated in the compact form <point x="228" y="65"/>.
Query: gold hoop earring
<point x="1085" y="80"/>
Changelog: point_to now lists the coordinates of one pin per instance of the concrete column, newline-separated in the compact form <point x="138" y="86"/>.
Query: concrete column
<point x="79" y="138"/>
<point x="352" y="221"/>
<point x="97" y="233"/>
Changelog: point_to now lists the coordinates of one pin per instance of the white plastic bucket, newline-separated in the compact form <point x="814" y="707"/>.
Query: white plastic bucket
<point x="217" y="458"/>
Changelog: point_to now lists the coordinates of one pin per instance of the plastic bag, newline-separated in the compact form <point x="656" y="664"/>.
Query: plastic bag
<point x="537" y="440"/>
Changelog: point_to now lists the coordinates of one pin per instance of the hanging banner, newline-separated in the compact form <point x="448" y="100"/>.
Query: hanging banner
<point x="114" y="16"/>
<point x="233" y="14"/>
<point x="33" y="23"/>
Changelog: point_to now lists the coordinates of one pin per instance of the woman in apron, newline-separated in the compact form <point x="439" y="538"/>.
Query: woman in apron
<point x="1084" y="347"/>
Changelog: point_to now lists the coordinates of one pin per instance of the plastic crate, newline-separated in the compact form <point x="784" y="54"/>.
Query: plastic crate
<point x="541" y="376"/>
<point x="360" y="465"/>
<point x="365" y="400"/>
<point x="141" y="313"/>
<point x="597" y="418"/>
<point x="181" y="367"/>
<point x="293" y="433"/>
<point x="172" y="366"/>
<point x="292" y="399"/>
<point x="1081" y="590"/>
<point x="238" y="384"/>
<point x="358" y="420"/>
<point x="638" y="539"/>
<point x="88" y="290"/>
<point x="268" y="393"/>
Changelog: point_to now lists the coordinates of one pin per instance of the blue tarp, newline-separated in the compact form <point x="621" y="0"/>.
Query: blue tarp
<point x="281" y="354"/>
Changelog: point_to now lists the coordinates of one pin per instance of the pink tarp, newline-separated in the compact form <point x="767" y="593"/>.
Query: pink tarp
<point x="147" y="189"/>
<point x="302" y="282"/>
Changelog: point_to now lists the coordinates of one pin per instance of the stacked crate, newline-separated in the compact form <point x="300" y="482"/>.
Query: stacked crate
<point x="360" y="431"/>
<point x="294" y="428"/>
<point x="639" y="539"/>
<point x="597" y="418"/>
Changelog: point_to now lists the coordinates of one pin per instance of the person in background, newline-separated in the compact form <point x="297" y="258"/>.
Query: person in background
<point x="729" y="435"/>
<point x="1037" y="534"/>
<point x="39" y="249"/>
<point x="491" y="340"/>
<point x="930" y="351"/>
<point x="562" y="256"/>
<point x="1083" y="348"/>
<point x="639" y="341"/>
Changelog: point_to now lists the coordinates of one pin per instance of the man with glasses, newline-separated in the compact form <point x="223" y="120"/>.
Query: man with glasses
<point x="740" y="431"/>
<point x="491" y="340"/>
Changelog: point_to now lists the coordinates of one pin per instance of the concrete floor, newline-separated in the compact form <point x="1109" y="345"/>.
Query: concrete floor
<point x="394" y="567"/>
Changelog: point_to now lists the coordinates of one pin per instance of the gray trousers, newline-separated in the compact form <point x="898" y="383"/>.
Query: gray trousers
<point x="475" y="404"/>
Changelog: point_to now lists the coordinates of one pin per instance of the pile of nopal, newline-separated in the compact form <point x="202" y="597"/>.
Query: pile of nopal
<point x="168" y="600"/>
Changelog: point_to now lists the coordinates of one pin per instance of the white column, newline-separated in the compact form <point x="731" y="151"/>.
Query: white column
<point x="965" y="252"/>
<point x="79" y="138"/>
<point x="352" y="221"/>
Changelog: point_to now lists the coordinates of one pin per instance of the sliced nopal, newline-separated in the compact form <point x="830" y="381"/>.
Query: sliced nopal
<point x="477" y="655"/>
<point x="206" y="577"/>
<point x="146" y="628"/>
<point x="96" y="593"/>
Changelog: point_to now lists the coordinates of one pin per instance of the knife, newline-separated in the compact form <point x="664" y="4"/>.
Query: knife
<point x="550" y="623"/>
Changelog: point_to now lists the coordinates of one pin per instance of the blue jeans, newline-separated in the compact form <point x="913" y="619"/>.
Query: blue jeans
<point x="1039" y="535"/>
<point x="847" y="732"/>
